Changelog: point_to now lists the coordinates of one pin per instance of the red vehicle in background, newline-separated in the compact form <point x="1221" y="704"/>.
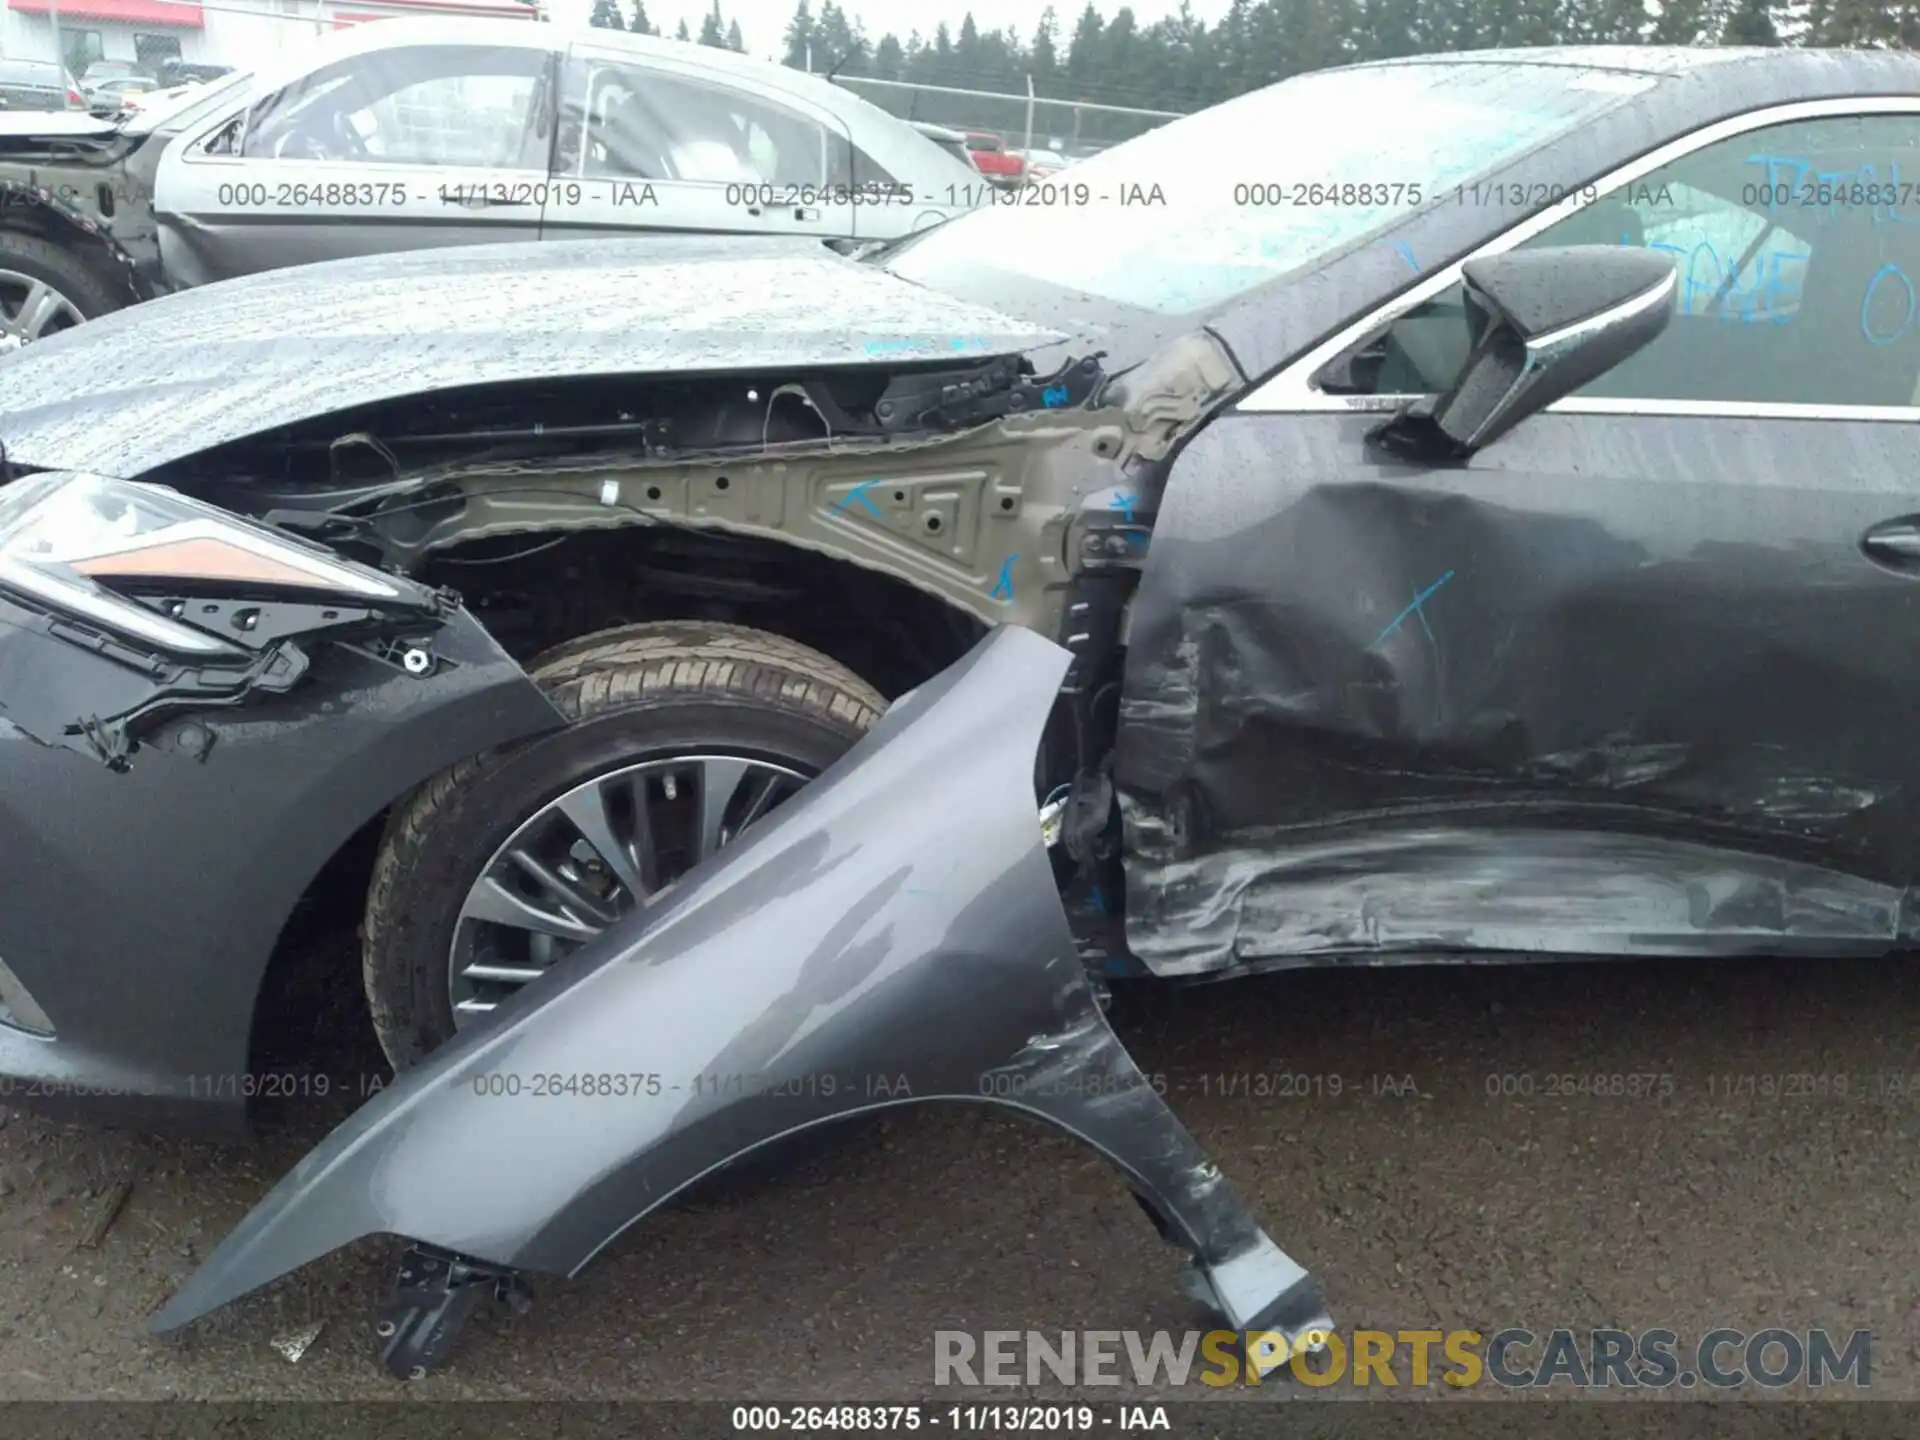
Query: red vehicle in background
<point x="991" y="159"/>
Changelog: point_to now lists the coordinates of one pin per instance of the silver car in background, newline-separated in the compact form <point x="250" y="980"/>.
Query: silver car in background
<point x="418" y="133"/>
<point x="36" y="85"/>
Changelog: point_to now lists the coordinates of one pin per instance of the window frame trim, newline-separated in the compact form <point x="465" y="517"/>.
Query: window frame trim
<point x="832" y="129"/>
<point x="1292" y="390"/>
<point x="193" y="151"/>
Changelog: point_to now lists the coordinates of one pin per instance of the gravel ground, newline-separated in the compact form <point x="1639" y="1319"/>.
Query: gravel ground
<point x="1438" y="1207"/>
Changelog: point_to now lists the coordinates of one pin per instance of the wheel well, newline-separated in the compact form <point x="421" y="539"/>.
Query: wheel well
<point x="533" y="592"/>
<point x="33" y="217"/>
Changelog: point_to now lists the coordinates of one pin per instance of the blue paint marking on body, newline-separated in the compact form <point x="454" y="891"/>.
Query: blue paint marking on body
<point x="1416" y="608"/>
<point x="1888" y="277"/>
<point x="1405" y="252"/>
<point x="859" y="492"/>
<point x="1054" y="396"/>
<point x="1124" y="503"/>
<point x="1003" y="587"/>
<point x="908" y="346"/>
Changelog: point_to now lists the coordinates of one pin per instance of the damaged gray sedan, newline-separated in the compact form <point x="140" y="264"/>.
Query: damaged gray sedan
<point x="748" y="687"/>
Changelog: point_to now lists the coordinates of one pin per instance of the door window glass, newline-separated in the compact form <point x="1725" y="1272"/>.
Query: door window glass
<point x="1798" y="251"/>
<point x="637" y="123"/>
<point x="455" y="105"/>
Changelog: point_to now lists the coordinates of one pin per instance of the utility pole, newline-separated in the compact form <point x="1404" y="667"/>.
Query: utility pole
<point x="59" y="53"/>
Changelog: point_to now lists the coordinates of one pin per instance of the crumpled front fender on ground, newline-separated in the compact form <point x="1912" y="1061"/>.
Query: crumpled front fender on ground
<point x="893" y="935"/>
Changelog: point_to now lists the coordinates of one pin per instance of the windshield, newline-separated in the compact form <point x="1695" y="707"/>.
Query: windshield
<point x="1205" y="208"/>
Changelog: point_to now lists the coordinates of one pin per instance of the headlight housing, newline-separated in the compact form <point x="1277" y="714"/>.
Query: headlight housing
<point x="65" y="539"/>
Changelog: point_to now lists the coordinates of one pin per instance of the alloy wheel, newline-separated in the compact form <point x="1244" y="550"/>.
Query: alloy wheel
<point x="31" y="309"/>
<point x="601" y="850"/>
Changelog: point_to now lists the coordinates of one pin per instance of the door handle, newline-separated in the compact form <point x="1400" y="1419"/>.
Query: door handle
<point x="805" y="212"/>
<point x="1897" y="542"/>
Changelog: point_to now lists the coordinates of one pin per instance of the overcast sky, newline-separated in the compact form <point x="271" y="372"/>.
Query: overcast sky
<point x="763" y="23"/>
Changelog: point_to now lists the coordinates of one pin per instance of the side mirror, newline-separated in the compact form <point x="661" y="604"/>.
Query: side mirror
<point x="1545" y="322"/>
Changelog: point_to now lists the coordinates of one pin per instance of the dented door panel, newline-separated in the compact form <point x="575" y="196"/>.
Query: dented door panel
<point x="1619" y="684"/>
<point x="892" y="935"/>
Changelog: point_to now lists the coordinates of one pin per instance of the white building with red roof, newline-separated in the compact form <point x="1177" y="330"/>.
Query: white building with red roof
<point x="241" y="34"/>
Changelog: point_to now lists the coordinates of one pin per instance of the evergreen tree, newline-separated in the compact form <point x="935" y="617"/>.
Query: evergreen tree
<point x="606" y="15"/>
<point x="1684" y="22"/>
<point x="1083" y="52"/>
<point x="799" y="35"/>
<point x="1041" y="59"/>
<point x="681" y="32"/>
<point x="1751" y="24"/>
<point x="1182" y="63"/>
<point x="838" y="44"/>
<point x="640" y="24"/>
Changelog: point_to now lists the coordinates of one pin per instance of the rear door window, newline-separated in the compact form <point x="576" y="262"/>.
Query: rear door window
<point x="639" y="122"/>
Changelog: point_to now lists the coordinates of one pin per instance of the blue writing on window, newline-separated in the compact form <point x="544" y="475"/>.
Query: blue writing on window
<point x="1767" y="294"/>
<point x="1794" y="184"/>
<point x="1886" y="322"/>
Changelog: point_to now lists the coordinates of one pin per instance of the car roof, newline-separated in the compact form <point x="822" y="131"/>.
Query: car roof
<point x="554" y="35"/>
<point x="28" y="67"/>
<point x="1667" y="61"/>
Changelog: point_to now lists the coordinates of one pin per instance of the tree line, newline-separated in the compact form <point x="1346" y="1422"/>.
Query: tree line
<point x="715" y="29"/>
<point x="1183" y="63"/>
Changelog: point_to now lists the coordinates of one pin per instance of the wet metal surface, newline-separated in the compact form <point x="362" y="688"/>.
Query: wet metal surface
<point x="893" y="935"/>
<point x="1617" y="685"/>
<point x="138" y="388"/>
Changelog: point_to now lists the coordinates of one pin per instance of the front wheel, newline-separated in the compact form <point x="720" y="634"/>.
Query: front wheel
<point x="45" y="289"/>
<point x="681" y="735"/>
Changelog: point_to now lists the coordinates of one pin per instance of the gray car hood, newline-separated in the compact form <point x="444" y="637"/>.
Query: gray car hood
<point x="143" y="387"/>
<point x="59" y="124"/>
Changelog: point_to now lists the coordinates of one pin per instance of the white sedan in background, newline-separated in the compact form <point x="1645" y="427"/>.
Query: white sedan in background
<point x="408" y="134"/>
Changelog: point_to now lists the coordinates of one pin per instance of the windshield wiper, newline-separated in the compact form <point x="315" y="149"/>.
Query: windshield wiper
<point x="887" y="249"/>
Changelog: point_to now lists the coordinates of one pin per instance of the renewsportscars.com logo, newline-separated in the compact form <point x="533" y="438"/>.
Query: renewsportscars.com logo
<point x="1510" y="1359"/>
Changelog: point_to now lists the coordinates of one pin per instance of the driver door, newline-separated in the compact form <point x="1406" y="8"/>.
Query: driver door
<point x="1632" y="679"/>
<point x="399" y="149"/>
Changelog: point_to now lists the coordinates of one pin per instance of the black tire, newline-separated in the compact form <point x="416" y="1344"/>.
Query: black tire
<point x="631" y="694"/>
<point x="84" y="285"/>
